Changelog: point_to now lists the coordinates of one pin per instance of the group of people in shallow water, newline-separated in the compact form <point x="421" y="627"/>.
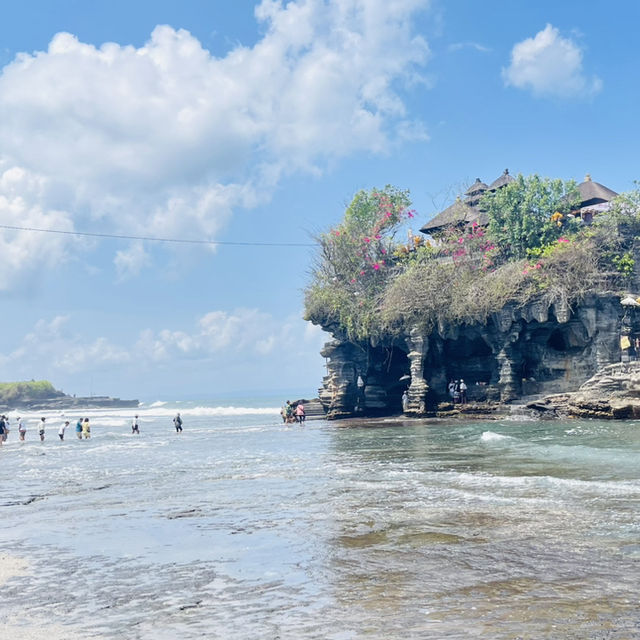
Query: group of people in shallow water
<point x="293" y="412"/>
<point x="83" y="427"/>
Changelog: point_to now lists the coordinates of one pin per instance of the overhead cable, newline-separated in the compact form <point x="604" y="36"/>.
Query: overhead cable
<point x="153" y="239"/>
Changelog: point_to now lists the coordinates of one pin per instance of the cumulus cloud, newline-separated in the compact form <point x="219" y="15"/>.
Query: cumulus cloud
<point x="242" y="335"/>
<point x="549" y="65"/>
<point x="169" y="139"/>
<point x="52" y="345"/>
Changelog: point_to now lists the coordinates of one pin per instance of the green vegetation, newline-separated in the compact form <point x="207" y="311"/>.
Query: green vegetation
<point x="365" y="284"/>
<point x="530" y="213"/>
<point x="35" y="390"/>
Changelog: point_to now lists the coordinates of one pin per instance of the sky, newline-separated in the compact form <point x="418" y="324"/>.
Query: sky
<point x="252" y="124"/>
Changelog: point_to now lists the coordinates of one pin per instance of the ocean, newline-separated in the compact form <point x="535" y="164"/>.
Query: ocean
<point x="245" y="528"/>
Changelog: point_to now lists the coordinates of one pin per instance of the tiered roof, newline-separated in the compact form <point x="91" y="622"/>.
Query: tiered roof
<point x="594" y="197"/>
<point x="467" y="211"/>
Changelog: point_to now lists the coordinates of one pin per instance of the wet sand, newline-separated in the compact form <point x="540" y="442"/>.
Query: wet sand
<point x="20" y="625"/>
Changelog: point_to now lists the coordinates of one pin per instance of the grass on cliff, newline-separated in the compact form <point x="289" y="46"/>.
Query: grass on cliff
<point x="470" y="274"/>
<point x="33" y="390"/>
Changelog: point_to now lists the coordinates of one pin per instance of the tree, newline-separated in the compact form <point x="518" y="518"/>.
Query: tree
<point x="529" y="213"/>
<point x="354" y="263"/>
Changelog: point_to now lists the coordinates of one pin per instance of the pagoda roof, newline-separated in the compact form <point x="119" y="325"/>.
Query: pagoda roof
<point x="502" y="181"/>
<point x="459" y="213"/>
<point x="593" y="192"/>
<point x="477" y="187"/>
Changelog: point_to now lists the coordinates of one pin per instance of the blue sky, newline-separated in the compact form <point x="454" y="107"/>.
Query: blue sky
<point x="239" y="121"/>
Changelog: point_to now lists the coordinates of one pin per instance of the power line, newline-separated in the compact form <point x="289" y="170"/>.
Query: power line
<point x="152" y="239"/>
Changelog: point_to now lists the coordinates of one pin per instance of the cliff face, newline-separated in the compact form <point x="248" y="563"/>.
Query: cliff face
<point x="518" y="352"/>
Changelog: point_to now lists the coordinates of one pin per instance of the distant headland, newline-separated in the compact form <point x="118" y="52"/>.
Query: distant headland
<point x="42" y="395"/>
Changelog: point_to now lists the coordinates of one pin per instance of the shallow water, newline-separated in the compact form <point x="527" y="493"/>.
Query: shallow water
<point x="244" y="527"/>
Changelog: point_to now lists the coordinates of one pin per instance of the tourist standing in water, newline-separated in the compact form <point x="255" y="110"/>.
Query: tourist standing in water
<point x="86" y="429"/>
<point x="79" y="428"/>
<point x="177" y="421"/>
<point x="3" y="429"/>
<point x="300" y="415"/>
<point x="22" y="430"/>
<point x="62" y="429"/>
<point x="41" y="429"/>
<point x="135" y="428"/>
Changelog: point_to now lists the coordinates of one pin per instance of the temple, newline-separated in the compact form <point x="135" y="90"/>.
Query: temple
<point x="523" y="350"/>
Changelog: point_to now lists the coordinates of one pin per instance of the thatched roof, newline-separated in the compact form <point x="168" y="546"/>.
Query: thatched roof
<point x="594" y="193"/>
<point x="476" y="188"/>
<point x="502" y="181"/>
<point x="458" y="214"/>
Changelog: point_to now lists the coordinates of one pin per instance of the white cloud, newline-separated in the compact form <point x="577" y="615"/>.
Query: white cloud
<point x="243" y="335"/>
<point x="51" y="345"/>
<point x="549" y="65"/>
<point x="476" y="46"/>
<point x="168" y="139"/>
<point x="131" y="261"/>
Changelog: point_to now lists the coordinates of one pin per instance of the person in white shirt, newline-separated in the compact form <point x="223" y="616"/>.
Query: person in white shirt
<point x="22" y="430"/>
<point x="463" y="392"/>
<point x="41" y="429"/>
<point x="135" y="427"/>
<point x="62" y="429"/>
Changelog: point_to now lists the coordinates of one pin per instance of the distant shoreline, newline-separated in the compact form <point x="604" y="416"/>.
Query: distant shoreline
<point x="70" y="402"/>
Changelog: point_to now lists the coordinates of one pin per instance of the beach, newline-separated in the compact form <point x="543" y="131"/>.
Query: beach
<point x="242" y="526"/>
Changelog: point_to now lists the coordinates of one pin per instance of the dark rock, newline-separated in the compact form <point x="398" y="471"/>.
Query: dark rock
<point x="534" y="350"/>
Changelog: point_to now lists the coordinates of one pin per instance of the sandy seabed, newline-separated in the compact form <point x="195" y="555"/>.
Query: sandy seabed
<point x="13" y="625"/>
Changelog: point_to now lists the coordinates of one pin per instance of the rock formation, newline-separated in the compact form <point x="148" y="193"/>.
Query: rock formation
<point x="519" y="352"/>
<point x="613" y="392"/>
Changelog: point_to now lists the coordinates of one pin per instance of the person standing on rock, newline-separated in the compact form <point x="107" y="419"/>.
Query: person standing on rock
<point x="177" y="421"/>
<point x="41" y="429"/>
<point x="463" y="392"/>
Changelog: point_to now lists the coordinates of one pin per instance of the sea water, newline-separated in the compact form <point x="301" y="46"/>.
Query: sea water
<point x="243" y="527"/>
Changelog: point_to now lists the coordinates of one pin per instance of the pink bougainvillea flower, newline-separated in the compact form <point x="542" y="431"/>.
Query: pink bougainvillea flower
<point x="367" y="240"/>
<point x="526" y="271"/>
<point x="563" y="239"/>
<point x="383" y="251"/>
<point x="378" y="237"/>
<point x="353" y="279"/>
<point x="376" y="266"/>
<point x="460" y="240"/>
<point x="538" y="265"/>
<point x="362" y="273"/>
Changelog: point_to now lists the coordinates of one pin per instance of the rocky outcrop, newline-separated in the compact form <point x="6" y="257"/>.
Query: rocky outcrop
<point x="535" y="349"/>
<point x="614" y="392"/>
<point x="63" y="402"/>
